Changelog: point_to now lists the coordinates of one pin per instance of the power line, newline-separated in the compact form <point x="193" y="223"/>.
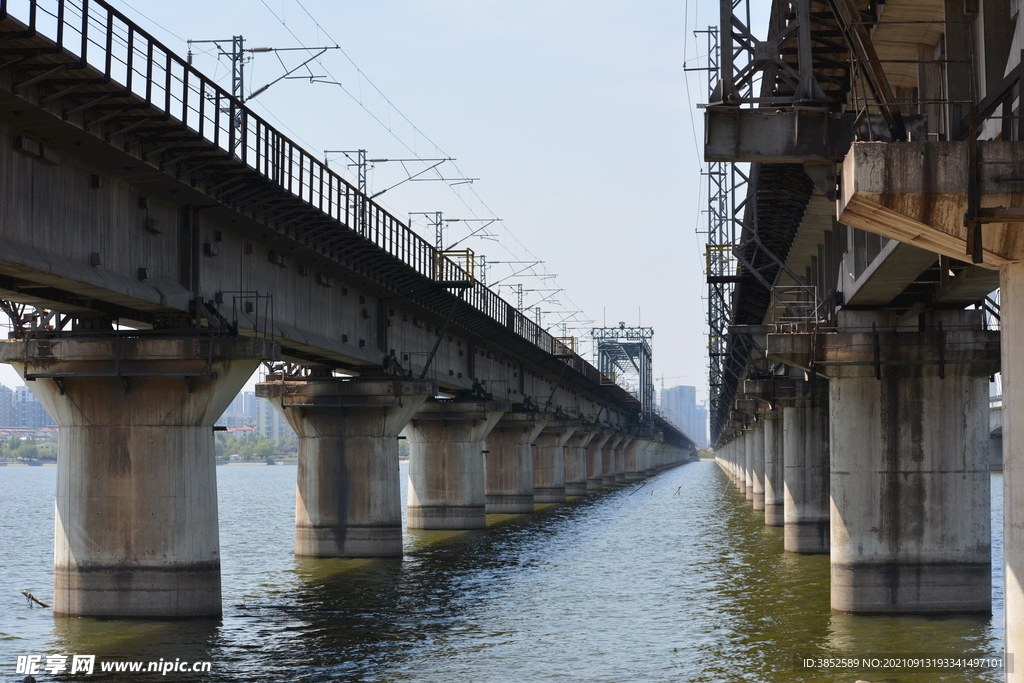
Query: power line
<point x="389" y="128"/>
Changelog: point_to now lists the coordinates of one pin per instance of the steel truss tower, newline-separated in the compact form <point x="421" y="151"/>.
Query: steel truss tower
<point x="720" y="264"/>
<point x="623" y="355"/>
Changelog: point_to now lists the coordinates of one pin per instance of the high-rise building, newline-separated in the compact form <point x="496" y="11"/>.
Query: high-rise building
<point x="679" y="406"/>
<point x="269" y="423"/>
<point x="29" y="413"/>
<point x="241" y="412"/>
<point x="6" y="406"/>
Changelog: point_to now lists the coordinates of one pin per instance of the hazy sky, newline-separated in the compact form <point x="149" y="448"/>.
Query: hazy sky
<point x="573" y="114"/>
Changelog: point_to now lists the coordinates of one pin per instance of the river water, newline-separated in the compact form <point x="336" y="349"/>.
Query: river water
<point x="672" y="579"/>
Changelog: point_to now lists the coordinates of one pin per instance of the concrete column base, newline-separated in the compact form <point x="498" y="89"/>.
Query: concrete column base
<point x="136" y="530"/>
<point x="807" y="537"/>
<point x="912" y="587"/>
<point x="446" y="463"/>
<point x="348" y="492"/>
<point x="508" y="464"/>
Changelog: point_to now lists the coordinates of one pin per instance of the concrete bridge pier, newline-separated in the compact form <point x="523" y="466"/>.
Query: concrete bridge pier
<point x="655" y="463"/>
<point x="763" y="403"/>
<point x="508" y="464"/>
<point x="595" y="459"/>
<point x="805" y="447"/>
<point x="723" y="458"/>
<point x="735" y="453"/>
<point x="575" y="453"/>
<point x="755" y="458"/>
<point x="737" y="458"/>
<point x="446" y="463"/>
<point x="636" y="459"/>
<point x="348" y="495"/>
<point x="136" y="510"/>
<point x="909" y="479"/>
<point x="774" y="500"/>
<point x="748" y="462"/>
<point x="620" y="459"/>
<point x="549" y="461"/>
<point x="726" y="456"/>
<point x="608" y="458"/>
<point x="738" y="455"/>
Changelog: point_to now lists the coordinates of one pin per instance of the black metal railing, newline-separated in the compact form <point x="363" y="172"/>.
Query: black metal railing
<point x="107" y="41"/>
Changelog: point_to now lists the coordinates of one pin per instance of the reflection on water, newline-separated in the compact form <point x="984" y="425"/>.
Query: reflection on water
<point x="676" y="579"/>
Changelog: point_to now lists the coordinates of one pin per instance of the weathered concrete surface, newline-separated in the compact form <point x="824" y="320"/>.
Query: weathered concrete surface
<point x="870" y="344"/>
<point x="756" y="441"/>
<point x="595" y="459"/>
<point x="909" y="473"/>
<point x="916" y="192"/>
<point x="620" y="459"/>
<point x="348" y="494"/>
<point x="806" y="471"/>
<point x="549" y="461"/>
<point x="196" y="246"/>
<point x="136" y="513"/>
<point x="748" y="463"/>
<point x="910" y="495"/>
<point x="608" y="458"/>
<point x="508" y="465"/>
<point x="446" y="463"/>
<point x="636" y="459"/>
<point x="654" y="456"/>
<point x="773" y="470"/>
<point x="575" y="451"/>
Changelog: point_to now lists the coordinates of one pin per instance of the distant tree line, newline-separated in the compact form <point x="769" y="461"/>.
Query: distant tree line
<point x="252" y="446"/>
<point x="17" y="448"/>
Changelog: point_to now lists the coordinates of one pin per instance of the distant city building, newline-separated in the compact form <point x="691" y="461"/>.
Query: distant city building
<point x="6" y="406"/>
<point x="679" y="406"/>
<point x="269" y="423"/>
<point x="241" y="412"/>
<point x="28" y="412"/>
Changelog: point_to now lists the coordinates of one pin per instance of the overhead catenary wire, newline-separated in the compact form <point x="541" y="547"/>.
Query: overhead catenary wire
<point x="387" y="126"/>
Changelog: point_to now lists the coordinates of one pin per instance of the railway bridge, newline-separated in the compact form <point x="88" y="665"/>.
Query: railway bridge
<point x="159" y="240"/>
<point x="867" y="199"/>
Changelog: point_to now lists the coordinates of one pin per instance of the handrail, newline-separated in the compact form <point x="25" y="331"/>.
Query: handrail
<point x="128" y="56"/>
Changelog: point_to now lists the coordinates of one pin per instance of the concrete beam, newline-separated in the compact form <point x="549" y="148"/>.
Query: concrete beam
<point x="869" y="344"/>
<point x="916" y="192"/>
